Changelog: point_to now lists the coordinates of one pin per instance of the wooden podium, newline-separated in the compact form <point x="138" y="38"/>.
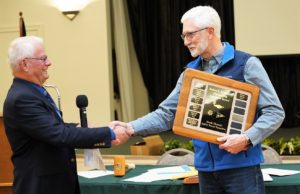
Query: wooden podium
<point x="6" y="167"/>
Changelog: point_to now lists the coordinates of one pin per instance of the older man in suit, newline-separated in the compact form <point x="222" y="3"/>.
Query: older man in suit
<point x="42" y="143"/>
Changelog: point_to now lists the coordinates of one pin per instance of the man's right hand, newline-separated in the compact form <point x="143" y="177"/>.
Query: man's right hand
<point x="122" y="130"/>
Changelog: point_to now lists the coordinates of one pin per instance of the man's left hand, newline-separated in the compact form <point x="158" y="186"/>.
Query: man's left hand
<point x="233" y="143"/>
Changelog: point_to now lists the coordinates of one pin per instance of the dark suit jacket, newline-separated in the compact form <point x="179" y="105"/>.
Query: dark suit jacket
<point x="42" y="144"/>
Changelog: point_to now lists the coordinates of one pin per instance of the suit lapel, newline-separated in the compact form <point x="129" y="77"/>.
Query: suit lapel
<point x="28" y="86"/>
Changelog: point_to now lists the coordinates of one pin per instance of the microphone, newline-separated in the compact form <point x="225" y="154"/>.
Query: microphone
<point x="82" y="103"/>
<point x="92" y="157"/>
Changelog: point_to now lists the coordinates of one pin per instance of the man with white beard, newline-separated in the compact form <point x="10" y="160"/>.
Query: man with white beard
<point x="234" y="165"/>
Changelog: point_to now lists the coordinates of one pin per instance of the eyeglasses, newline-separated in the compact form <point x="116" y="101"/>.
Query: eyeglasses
<point x="42" y="58"/>
<point x="190" y="35"/>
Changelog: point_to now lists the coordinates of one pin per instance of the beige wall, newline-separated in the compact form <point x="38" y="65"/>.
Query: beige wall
<point x="267" y="27"/>
<point x="79" y="50"/>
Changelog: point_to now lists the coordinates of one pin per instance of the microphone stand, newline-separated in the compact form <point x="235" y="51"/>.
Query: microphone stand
<point x="58" y="95"/>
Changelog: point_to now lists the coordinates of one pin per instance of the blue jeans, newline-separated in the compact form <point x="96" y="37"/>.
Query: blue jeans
<point x="247" y="180"/>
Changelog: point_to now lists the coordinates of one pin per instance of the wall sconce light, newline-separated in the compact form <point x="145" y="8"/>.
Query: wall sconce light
<point x="71" y="8"/>
<point x="70" y="14"/>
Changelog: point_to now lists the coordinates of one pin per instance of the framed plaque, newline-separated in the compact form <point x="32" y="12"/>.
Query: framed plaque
<point x="211" y="106"/>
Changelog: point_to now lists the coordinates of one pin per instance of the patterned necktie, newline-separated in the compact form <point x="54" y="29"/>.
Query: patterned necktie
<point x="49" y="98"/>
<point x="208" y="66"/>
<point x="205" y="65"/>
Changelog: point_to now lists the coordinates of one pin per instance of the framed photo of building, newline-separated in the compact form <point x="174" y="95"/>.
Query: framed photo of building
<point x="211" y="106"/>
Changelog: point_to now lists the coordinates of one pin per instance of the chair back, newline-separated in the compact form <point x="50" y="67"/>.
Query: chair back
<point x="178" y="156"/>
<point x="270" y="155"/>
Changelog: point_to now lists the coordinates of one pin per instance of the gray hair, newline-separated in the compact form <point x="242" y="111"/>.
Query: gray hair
<point x="204" y="16"/>
<point x="21" y="48"/>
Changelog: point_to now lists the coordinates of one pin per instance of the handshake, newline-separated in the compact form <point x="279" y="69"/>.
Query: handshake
<point x="122" y="130"/>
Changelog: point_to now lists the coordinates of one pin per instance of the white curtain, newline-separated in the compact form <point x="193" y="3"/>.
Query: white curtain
<point x="121" y="37"/>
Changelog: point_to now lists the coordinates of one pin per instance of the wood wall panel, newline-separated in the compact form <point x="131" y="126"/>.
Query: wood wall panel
<point x="6" y="167"/>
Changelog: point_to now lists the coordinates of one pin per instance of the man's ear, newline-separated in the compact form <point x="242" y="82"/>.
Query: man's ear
<point x="24" y="66"/>
<point x="211" y="31"/>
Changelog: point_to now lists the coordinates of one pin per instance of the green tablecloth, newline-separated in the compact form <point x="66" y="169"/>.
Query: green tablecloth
<point x="115" y="185"/>
<point x="284" y="184"/>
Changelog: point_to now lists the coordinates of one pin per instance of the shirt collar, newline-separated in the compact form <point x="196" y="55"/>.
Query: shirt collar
<point x="41" y="89"/>
<point x="219" y="55"/>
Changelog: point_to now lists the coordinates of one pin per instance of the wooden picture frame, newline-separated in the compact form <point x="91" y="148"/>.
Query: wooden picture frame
<point x="212" y="106"/>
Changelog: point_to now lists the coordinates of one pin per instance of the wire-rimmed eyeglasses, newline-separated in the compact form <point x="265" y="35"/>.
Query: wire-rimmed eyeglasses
<point x="190" y="35"/>
<point x="42" y="58"/>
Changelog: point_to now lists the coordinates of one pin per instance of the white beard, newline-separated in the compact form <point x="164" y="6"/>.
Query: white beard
<point x="201" y="47"/>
